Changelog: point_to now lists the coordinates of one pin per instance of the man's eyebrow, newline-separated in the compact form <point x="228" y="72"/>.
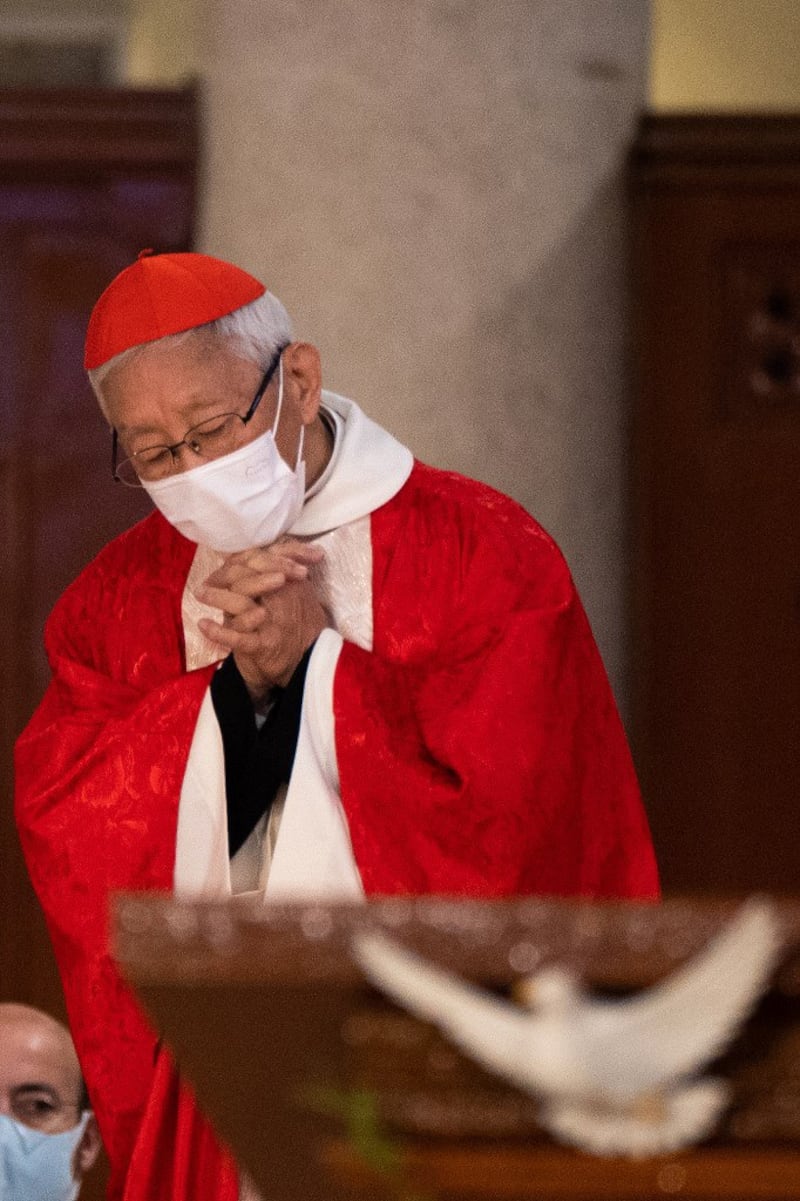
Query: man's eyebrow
<point x="132" y="431"/>
<point x="33" y="1086"/>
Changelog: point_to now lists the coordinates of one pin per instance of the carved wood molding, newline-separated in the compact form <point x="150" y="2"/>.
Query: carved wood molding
<point x="480" y="1173"/>
<point x="683" y="148"/>
<point x="55" y="130"/>
<point x="614" y="944"/>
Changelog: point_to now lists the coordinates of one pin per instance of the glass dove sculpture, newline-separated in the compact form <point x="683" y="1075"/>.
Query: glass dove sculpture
<point x="612" y="1077"/>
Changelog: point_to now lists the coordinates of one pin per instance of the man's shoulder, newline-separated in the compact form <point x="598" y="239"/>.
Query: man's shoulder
<point x="474" y="503"/>
<point x="472" y="529"/>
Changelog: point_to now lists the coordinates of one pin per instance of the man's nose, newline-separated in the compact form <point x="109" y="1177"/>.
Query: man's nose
<point x="184" y="456"/>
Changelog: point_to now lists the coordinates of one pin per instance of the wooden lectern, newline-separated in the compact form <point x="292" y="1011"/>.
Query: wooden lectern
<point x="325" y="1090"/>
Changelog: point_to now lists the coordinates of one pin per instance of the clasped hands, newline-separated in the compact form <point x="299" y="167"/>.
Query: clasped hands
<point x="272" y="613"/>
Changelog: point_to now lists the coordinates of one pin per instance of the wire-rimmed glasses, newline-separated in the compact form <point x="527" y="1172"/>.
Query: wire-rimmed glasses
<point x="210" y="439"/>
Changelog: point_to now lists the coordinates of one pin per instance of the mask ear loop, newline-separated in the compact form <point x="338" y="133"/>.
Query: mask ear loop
<point x="280" y="397"/>
<point x="278" y="415"/>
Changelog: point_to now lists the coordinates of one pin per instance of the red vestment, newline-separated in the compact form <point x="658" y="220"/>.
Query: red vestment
<point x="479" y="751"/>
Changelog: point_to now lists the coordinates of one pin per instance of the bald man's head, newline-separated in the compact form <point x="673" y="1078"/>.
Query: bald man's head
<point x="41" y="1085"/>
<point x="40" y="1077"/>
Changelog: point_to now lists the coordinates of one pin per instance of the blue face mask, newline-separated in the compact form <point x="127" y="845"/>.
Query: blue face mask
<point x="35" y="1166"/>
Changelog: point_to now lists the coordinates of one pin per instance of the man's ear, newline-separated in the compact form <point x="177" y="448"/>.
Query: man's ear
<point x="302" y="365"/>
<point x="87" y="1149"/>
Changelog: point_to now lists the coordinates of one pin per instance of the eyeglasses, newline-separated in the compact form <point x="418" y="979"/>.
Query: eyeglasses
<point x="212" y="438"/>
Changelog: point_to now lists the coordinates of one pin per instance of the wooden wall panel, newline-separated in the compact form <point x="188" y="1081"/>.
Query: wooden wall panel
<point x="716" y="673"/>
<point x="87" y="179"/>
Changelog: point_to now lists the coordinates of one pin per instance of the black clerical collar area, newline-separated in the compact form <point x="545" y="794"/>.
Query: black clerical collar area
<point x="258" y="761"/>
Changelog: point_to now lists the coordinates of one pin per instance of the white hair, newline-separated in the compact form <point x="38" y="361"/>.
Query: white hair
<point x="254" y="332"/>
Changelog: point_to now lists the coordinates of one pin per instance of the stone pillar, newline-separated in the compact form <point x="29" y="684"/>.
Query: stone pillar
<point x="433" y="189"/>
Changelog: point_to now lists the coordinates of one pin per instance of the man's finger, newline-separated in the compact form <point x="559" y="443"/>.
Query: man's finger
<point x="245" y="583"/>
<point x="222" y="598"/>
<point x="228" y="638"/>
<point x="237" y="599"/>
<point x="281" y="553"/>
<point x="263" y="585"/>
<point x="249" y="621"/>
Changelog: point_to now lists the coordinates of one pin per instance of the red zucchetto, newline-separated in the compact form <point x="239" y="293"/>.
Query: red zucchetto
<point x="164" y="294"/>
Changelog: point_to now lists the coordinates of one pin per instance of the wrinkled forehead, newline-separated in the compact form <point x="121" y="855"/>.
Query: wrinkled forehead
<point x="194" y="349"/>
<point x="35" y="1049"/>
<point x="183" y="375"/>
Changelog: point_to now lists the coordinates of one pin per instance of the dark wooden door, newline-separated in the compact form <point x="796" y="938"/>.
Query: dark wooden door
<point x="716" y="668"/>
<point x="87" y="179"/>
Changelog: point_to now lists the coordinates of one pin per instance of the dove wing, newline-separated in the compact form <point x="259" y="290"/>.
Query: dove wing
<point x="491" y="1031"/>
<point x="672" y="1029"/>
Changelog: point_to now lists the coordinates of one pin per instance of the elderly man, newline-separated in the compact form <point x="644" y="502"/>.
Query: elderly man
<point x="320" y="668"/>
<point x="48" y="1136"/>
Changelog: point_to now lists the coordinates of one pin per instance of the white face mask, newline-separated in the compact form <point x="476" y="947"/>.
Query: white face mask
<point x="36" y="1165"/>
<point x="247" y="498"/>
